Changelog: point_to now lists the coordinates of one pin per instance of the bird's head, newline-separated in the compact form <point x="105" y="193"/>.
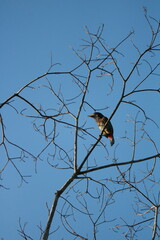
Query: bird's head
<point x="96" y="115"/>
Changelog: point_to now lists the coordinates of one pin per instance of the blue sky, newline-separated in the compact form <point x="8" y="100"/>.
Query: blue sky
<point x="32" y="31"/>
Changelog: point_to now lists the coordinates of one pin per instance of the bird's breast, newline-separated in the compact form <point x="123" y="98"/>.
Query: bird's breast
<point x="101" y="127"/>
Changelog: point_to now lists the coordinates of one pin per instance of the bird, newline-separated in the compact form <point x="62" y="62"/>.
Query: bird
<point x="101" y="121"/>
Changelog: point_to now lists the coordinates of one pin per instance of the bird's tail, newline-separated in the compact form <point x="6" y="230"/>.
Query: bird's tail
<point x="111" y="138"/>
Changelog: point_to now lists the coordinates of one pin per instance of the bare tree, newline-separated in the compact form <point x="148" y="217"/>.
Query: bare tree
<point x="102" y="179"/>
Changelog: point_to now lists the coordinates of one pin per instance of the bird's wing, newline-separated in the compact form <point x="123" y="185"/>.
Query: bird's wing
<point x="108" y="129"/>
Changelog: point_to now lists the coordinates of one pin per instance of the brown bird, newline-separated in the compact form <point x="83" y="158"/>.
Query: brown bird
<point x="101" y="121"/>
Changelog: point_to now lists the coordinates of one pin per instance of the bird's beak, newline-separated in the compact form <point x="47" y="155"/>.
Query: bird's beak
<point x="92" y="116"/>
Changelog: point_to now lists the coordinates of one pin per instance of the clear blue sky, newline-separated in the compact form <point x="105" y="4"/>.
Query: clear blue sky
<point x="30" y="32"/>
